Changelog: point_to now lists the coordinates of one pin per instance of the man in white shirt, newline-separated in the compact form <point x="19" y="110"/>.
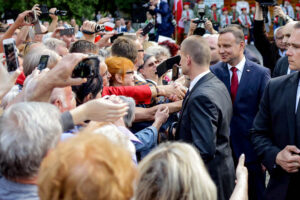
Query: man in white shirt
<point x="276" y="128"/>
<point x="205" y="115"/>
<point x="245" y="81"/>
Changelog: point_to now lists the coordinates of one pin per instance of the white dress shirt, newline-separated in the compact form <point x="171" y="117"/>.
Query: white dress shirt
<point x="196" y="79"/>
<point x="297" y="96"/>
<point x="240" y="68"/>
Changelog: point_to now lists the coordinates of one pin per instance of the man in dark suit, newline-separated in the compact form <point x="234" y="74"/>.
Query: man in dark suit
<point x="206" y="114"/>
<point x="270" y="51"/>
<point x="282" y="66"/>
<point x="163" y="17"/>
<point x="245" y="81"/>
<point x="276" y="128"/>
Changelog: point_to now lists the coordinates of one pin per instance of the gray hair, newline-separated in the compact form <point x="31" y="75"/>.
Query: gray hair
<point x="158" y="51"/>
<point x="14" y="91"/>
<point x="174" y="171"/>
<point x="128" y="119"/>
<point x="53" y="43"/>
<point x="27" y="132"/>
<point x="32" y="59"/>
<point x="58" y="94"/>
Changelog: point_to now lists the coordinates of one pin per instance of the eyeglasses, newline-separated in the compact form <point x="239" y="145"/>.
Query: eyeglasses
<point x="129" y="72"/>
<point x="141" y="50"/>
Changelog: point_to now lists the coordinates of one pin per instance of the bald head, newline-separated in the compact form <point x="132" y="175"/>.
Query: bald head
<point x="197" y="48"/>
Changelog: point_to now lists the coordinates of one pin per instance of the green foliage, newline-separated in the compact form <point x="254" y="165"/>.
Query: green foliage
<point x="125" y="5"/>
<point x="75" y="8"/>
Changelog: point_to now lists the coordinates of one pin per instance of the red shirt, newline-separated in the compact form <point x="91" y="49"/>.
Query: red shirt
<point x="141" y="94"/>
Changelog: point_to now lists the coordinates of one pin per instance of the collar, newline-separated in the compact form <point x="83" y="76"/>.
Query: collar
<point x="196" y="79"/>
<point x="151" y="81"/>
<point x="138" y="76"/>
<point x="239" y="66"/>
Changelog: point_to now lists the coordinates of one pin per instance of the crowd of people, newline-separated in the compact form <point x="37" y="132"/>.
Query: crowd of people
<point x="117" y="116"/>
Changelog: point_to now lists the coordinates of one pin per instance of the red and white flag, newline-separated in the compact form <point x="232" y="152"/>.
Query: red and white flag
<point x="177" y="11"/>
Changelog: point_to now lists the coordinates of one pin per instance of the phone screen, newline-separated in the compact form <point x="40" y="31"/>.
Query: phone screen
<point x="167" y="65"/>
<point x="11" y="57"/>
<point x="43" y="62"/>
<point x="147" y="29"/>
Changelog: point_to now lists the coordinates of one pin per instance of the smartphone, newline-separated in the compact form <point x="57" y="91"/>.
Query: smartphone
<point x="67" y="31"/>
<point x="11" y="54"/>
<point x="147" y="29"/>
<point x="175" y="72"/>
<point x="112" y="39"/>
<point x="31" y="18"/>
<point x="87" y="68"/>
<point x="43" y="62"/>
<point x="166" y="65"/>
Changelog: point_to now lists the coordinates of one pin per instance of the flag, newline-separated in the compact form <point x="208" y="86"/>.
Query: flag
<point x="177" y="11"/>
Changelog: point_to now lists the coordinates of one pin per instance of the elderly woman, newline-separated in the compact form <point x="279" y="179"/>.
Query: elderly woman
<point x="121" y="70"/>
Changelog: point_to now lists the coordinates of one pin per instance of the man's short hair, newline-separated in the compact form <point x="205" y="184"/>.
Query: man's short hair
<point x="124" y="47"/>
<point x="237" y="33"/>
<point x="27" y="132"/>
<point x="83" y="46"/>
<point x="197" y="48"/>
<point x="53" y="43"/>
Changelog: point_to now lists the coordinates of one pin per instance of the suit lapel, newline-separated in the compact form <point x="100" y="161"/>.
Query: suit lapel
<point x="225" y="76"/>
<point x="186" y="100"/>
<point x="291" y="88"/>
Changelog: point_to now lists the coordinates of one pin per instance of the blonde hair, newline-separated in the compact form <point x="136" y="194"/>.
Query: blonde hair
<point x="87" y="166"/>
<point x="174" y="171"/>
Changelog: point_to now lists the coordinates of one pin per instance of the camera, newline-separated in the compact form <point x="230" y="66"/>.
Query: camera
<point x="45" y="11"/>
<point x="200" y="30"/>
<point x="99" y="28"/>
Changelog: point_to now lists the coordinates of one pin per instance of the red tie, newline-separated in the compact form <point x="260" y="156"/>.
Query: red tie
<point x="215" y="16"/>
<point x="246" y="20"/>
<point x="227" y="20"/>
<point x="234" y="83"/>
<point x="298" y="16"/>
<point x="233" y="16"/>
<point x="188" y="15"/>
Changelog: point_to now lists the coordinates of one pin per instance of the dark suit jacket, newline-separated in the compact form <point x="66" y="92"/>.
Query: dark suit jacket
<point x="274" y="128"/>
<point x="251" y="87"/>
<point x="281" y="67"/>
<point x="204" y="122"/>
<point x="166" y="28"/>
<point x="268" y="50"/>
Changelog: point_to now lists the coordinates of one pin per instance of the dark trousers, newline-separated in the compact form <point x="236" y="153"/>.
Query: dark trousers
<point x="256" y="181"/>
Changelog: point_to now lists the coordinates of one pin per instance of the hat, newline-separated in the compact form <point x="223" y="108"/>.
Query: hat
<point x="252" y="5"/>
<point x="233" y="4"/>
<point x="213" y="5"/>
<point x="224" y="9"/>
<point x="288" y="1"/>
<point x="243" y="9"/>
<point x="186" y="3"/>
<point x="297" y="4"/>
